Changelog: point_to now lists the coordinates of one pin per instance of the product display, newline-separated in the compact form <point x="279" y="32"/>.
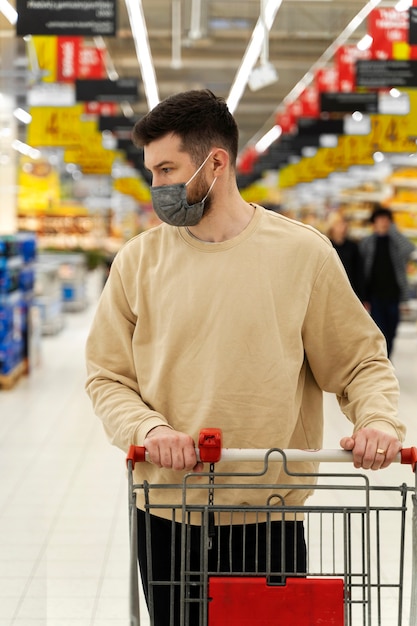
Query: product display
<point x="17" y="277"/>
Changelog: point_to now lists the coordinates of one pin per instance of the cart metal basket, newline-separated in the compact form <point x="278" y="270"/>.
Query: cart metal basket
<point x="353" y="572"/>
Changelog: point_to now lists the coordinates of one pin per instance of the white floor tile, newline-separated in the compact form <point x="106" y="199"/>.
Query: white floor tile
<point x="63" y="504"/>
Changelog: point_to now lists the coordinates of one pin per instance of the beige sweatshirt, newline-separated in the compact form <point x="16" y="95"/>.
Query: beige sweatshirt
<point x="241" y="335"/>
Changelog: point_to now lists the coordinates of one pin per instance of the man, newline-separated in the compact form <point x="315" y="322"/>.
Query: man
<point x="230" y="316"/>
<point x="385" y="253"/>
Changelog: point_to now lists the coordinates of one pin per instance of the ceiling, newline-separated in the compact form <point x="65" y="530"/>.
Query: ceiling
<point x="212" y="48"/>
<point x="210" y="42"/>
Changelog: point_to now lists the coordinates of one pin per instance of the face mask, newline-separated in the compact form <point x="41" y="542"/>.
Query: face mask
<point x="171" y="206"/>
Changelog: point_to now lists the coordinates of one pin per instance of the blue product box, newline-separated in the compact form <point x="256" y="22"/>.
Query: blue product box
<point x="27" y="277"/>
<point x="10" y="269"/>
<point x="11" y="354"/>
<point x="27" y="246"/>
<point x="11" y="314"/>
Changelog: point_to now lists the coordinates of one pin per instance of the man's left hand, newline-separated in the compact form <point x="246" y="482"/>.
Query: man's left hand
<point x="371" y="448"/>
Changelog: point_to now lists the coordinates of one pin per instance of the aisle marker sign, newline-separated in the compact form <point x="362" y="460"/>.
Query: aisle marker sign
<point x="66" y="17"/>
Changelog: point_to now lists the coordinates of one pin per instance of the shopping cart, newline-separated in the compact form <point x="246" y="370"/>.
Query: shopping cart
<point x="354" y="571"/>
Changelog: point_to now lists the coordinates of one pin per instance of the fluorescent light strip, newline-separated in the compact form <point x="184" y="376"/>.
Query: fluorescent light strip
<point x="143" y="51"/>
<point x="8" y="11"/>
<point x="22" y="115"/>
<point x="252" y="54"/>
<point x="271" y="136"/>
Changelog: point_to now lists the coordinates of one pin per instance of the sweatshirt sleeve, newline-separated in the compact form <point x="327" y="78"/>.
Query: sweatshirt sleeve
<point x="347" y="353"/>
<point x="111" y="379"/>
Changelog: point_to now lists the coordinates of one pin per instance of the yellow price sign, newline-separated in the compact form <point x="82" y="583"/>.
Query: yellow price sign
<point x="391" y="133"/>
<point x="55" y="126"/>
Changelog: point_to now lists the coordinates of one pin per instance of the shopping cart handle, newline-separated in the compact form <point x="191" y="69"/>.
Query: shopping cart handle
<point x="409" y="457"/>
<point x="137" y="454"/>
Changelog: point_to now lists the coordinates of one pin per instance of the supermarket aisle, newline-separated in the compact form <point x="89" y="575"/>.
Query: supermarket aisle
<point x="63" y="521"/>
<point x="63" y="500"/>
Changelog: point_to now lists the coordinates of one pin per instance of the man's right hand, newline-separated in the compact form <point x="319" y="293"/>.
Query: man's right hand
<point x="171" y="449"/>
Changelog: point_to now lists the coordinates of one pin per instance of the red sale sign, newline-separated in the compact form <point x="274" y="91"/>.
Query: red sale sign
<point x="68" y="58"/>
<point x="389" y="31"/>
<point x="346" y="57"/>
<point x="78" y="60"/>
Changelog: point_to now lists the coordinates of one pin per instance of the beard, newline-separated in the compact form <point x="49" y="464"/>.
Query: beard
<point x="199" y="189"/>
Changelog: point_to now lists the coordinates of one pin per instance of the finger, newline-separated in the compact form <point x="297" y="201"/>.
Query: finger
<point x="198" y="467"/>
<point x="393" y="449"/>
<point x="347" y="443"/>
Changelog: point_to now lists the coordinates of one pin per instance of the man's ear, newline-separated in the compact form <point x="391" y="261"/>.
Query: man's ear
<point x="220" y="160"/>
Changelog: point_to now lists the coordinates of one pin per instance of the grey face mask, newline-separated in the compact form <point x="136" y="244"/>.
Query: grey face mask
<point x="171" y="205"/>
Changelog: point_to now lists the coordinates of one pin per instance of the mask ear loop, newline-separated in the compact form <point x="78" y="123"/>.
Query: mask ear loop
<point x="209" y="189"/>
<point x="199" y="169"/>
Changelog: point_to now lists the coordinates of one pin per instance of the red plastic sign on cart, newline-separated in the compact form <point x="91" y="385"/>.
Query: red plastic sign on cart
<point x="300" y="602"/>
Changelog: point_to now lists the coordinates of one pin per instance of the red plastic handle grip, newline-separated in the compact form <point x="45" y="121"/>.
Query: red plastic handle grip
<point x="409" y="457"/>
<point x="210" y="445"/>
<point x="136" y="454"/>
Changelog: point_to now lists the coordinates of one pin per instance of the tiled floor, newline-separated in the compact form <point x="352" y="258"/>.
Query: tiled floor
<point x="63" y="494"/>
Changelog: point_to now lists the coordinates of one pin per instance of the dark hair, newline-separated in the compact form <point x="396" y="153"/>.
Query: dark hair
<point x="380" y="211"/>
<point x="201" y="120"/>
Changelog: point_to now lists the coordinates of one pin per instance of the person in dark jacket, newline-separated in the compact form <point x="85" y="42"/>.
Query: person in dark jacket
<point x="348" y="251"/>
<point x="385" y="253"/>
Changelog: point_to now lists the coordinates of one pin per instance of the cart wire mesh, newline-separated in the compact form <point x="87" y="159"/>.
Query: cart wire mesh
<point x="352" y="573"/>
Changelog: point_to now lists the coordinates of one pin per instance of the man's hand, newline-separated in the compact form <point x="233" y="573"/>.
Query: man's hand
<point x="171" y="449"/>
<point x="372" y="449"/>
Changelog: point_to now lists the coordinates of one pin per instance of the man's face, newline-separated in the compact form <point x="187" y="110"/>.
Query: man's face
<point x="169" y="165"/>
<point x="382" y="225"/>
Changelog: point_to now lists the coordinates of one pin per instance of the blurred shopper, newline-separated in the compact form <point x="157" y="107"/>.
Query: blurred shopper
<point x="385" y="255"/>
<point x="348" y="251"/>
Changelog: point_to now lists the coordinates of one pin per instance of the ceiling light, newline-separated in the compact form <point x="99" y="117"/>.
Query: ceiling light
<point x="8" y="11"/>
<point x="395" y="93"/>
<point x="262" y="76"/>
<point x="365" y="43"/>
<point x="252" y="53"/>
<point x="23" y="148"/>
<point x="22" y="115"/>
<point x="328" y="141"/>
<point x="268" y="138"/>
<point x="143" y="50"/>
<point x="403" y="5"/>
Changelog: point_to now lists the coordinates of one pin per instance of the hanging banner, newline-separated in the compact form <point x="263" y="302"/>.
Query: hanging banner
<point x="389" y="30"/>
<point x="45" y="50"/>
<point x="349" y="102"/>
<point x="309" y="100"/>
<point x="124" y="89"/>
<point x="345" y="62"/>
<point x="91" y="63"/>
<point x="327" y="79"/>
<point x="68" y="51"/>
<point x="386" y="74"/>
<point x="412" y="35"/>
<point x="66" y="17"/>
<point x="53" y="126"/>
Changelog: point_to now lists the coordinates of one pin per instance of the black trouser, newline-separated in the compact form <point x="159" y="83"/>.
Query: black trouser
<point x="234" y="549"/>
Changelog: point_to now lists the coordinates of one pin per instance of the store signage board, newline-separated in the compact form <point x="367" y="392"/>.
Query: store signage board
<point x="66" y="17"/>
<point x="117" y="123"/>
<point x="342" y="102"/>
<point x="385" y="74"/>
<point x="122" y="90"/>
<point x="412" y="32"/>
<point x="309" y="126"/>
